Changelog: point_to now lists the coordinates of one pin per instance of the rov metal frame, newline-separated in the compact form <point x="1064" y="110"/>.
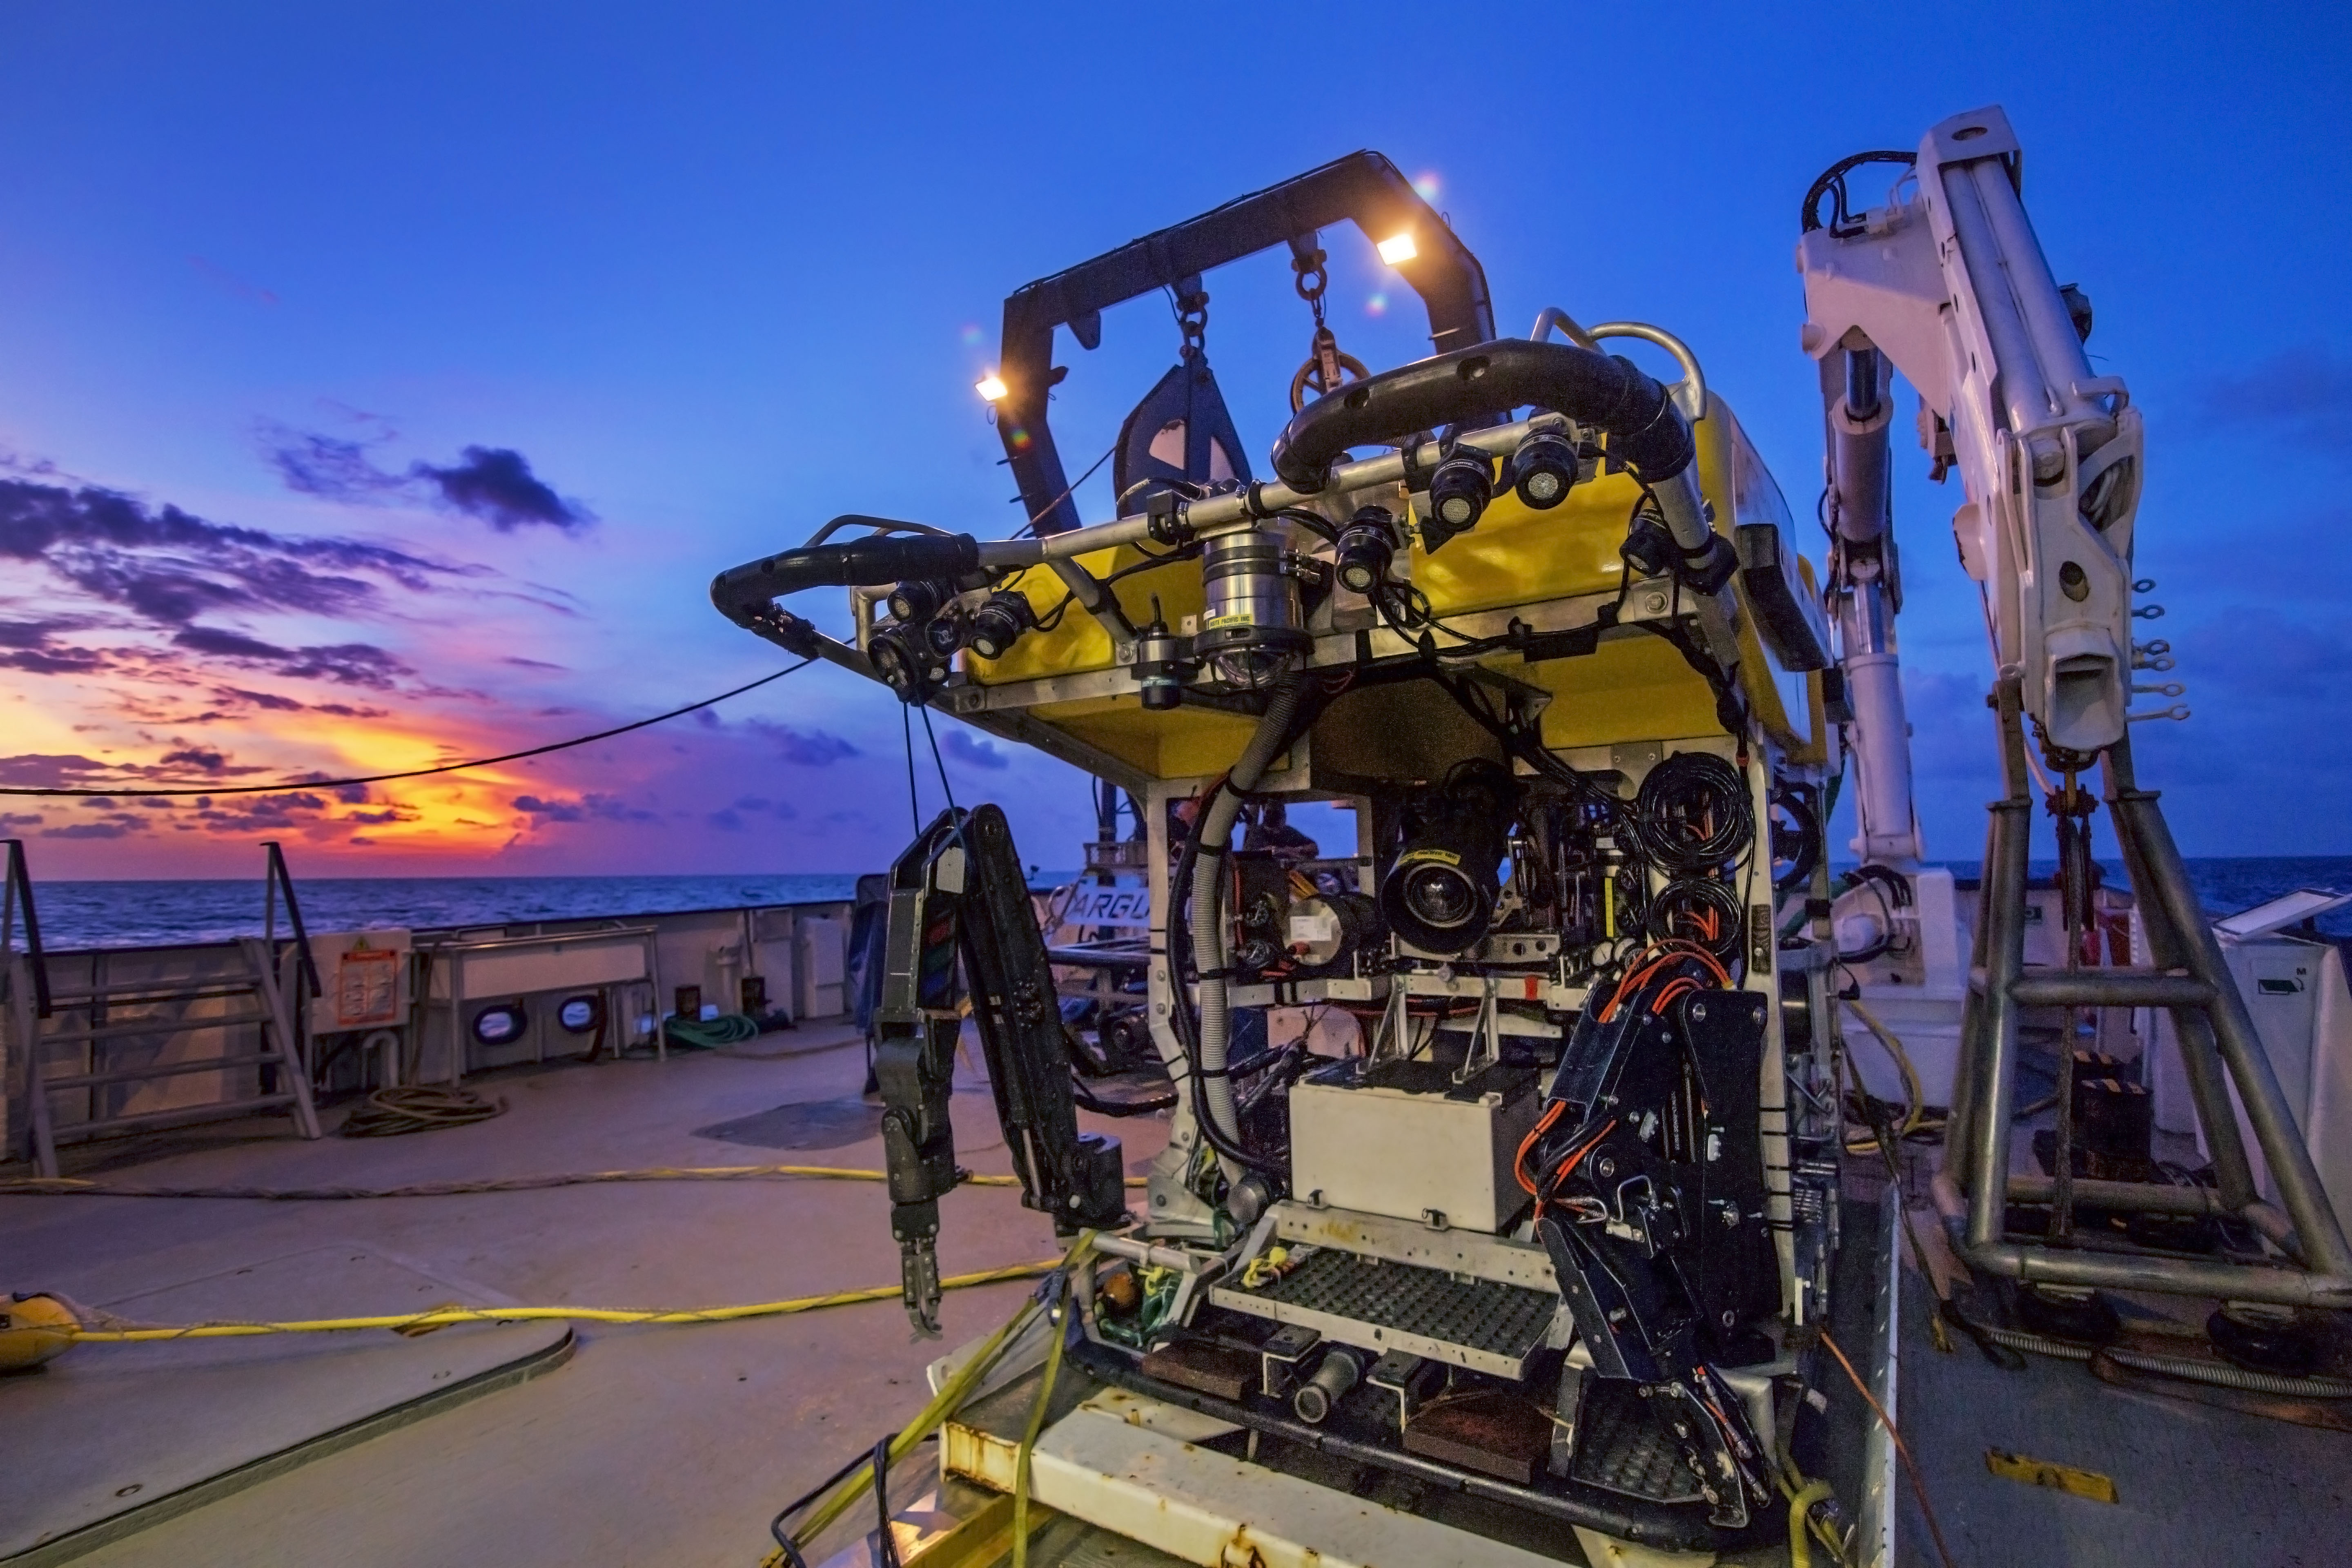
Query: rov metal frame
<point x="1363" y="187"/>
<point x="2190" y="979"/>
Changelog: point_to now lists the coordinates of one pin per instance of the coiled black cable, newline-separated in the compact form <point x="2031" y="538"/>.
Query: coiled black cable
<point x="1693" y="813"/>
<point x="1800" y="845"/>
<point x="1698" y="909"/>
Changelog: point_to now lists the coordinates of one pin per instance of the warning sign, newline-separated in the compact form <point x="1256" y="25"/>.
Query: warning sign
<point x="367" y="988"/>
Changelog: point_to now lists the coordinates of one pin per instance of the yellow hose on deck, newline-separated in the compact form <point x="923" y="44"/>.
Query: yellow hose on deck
<point x="1916" y="1116"/>
<point x="1801" y="1552"/>
<point x="77" y="1187"/>
<point x="441" y="1317"/>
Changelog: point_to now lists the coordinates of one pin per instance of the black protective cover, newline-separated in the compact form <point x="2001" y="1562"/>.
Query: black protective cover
<point x="1471" y="385"/>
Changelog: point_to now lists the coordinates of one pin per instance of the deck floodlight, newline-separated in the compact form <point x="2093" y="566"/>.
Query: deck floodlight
<point x="1398" y="248"/>
<point x="992" y="387"/>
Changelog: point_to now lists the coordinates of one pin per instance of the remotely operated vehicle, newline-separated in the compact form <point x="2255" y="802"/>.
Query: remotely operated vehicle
<point x="1561" y="1234"/>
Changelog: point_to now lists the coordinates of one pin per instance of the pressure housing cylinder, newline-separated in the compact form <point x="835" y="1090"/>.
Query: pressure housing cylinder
<point x="1251" y="621"/>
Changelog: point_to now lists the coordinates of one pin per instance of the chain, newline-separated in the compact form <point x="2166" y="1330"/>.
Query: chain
<point x="1193" y="322"/>
<point x="1313" y="278"/>
<point x="1325" y="363"/>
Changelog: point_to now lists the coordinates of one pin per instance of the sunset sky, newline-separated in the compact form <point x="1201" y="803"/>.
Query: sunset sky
<point x="381" y="386"/>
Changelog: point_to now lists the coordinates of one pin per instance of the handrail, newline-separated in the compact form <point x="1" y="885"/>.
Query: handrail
<point x="20" y="890"/>
<point x="1693" y="400"/>
<point x="279" y="879"/>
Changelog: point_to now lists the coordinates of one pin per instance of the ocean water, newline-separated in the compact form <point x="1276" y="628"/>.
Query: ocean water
<point x="127" y="913"/>
<point x="107" y="914"/>
<point x="2227" y="885"/>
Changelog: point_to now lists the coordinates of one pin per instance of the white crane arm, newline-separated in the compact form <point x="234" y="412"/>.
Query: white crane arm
<point x="1948" y="282"/>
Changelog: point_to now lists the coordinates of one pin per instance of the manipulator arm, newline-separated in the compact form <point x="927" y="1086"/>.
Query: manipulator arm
<point x="958" y="899"/>
<point x="915" y="1030"/>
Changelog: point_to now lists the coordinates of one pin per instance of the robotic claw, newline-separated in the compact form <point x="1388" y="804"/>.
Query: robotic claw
<point x="960" y="918"/>
<point x="1650" y="1200"/>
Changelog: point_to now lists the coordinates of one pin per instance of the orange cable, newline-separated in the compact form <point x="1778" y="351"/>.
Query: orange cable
<point x="1910" y="1466"/>
<point x="1567" y="1166"/>
<point x="1519" y="1161"/>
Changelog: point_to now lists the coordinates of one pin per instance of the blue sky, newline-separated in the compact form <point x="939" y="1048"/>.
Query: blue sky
<point x="714" y="273"/>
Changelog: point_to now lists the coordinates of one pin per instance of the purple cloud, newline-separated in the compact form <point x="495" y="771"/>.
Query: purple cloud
<point x="730" y="819"/>
<point x="168" y="567"/>
<point x="494" y="484"/>
<point x="327" y="466"/>
<point x="963" y="748"/>
<point x="602" y="807"/>
<point x="348" y="663"/>
<point x="803" y="748"/>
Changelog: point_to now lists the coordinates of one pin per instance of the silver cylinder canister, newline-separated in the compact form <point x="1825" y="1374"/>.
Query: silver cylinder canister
<point x="1251" y="624"/>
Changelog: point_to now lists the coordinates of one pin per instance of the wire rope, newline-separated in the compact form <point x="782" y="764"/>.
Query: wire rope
<point x="209" y="789"/>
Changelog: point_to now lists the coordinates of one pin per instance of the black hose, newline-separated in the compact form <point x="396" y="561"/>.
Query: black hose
<point x="740" y="591"/>
<point x="1832" y="180"/>
<point x="1178" y="931"/>
<point x="1180" y="1014"/>
<point x="887" y="1539"/>
<point x="1646" y="430"/>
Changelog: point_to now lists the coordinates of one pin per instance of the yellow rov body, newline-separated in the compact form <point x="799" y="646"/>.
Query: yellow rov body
<point x="1560" y="567"/>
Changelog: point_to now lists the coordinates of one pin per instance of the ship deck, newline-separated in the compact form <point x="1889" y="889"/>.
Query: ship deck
<point x="654" y="1445"/>
<point x="673" y="1445"/>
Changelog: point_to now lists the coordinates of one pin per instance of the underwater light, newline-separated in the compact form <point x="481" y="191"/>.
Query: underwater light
<point x="920" y="598"/>
<point x="1461" y="488"/>
<point x="998" y="624"/>
<point x="1544" y="469"/>
<point x="1366" y="547"/>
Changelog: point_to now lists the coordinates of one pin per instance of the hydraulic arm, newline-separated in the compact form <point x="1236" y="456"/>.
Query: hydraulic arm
<point x="960" y="924"/>
<point x="1947" y="284"/>
<point x="1950" y="285"/>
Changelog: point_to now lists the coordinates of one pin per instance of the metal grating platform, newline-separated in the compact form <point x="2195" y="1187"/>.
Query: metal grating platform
<point x="1473" y="1323"/>
<point x="1623" y="1447"/>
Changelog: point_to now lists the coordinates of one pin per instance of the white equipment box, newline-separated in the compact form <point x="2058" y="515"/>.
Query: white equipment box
<point x="1412" y="1145"/>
